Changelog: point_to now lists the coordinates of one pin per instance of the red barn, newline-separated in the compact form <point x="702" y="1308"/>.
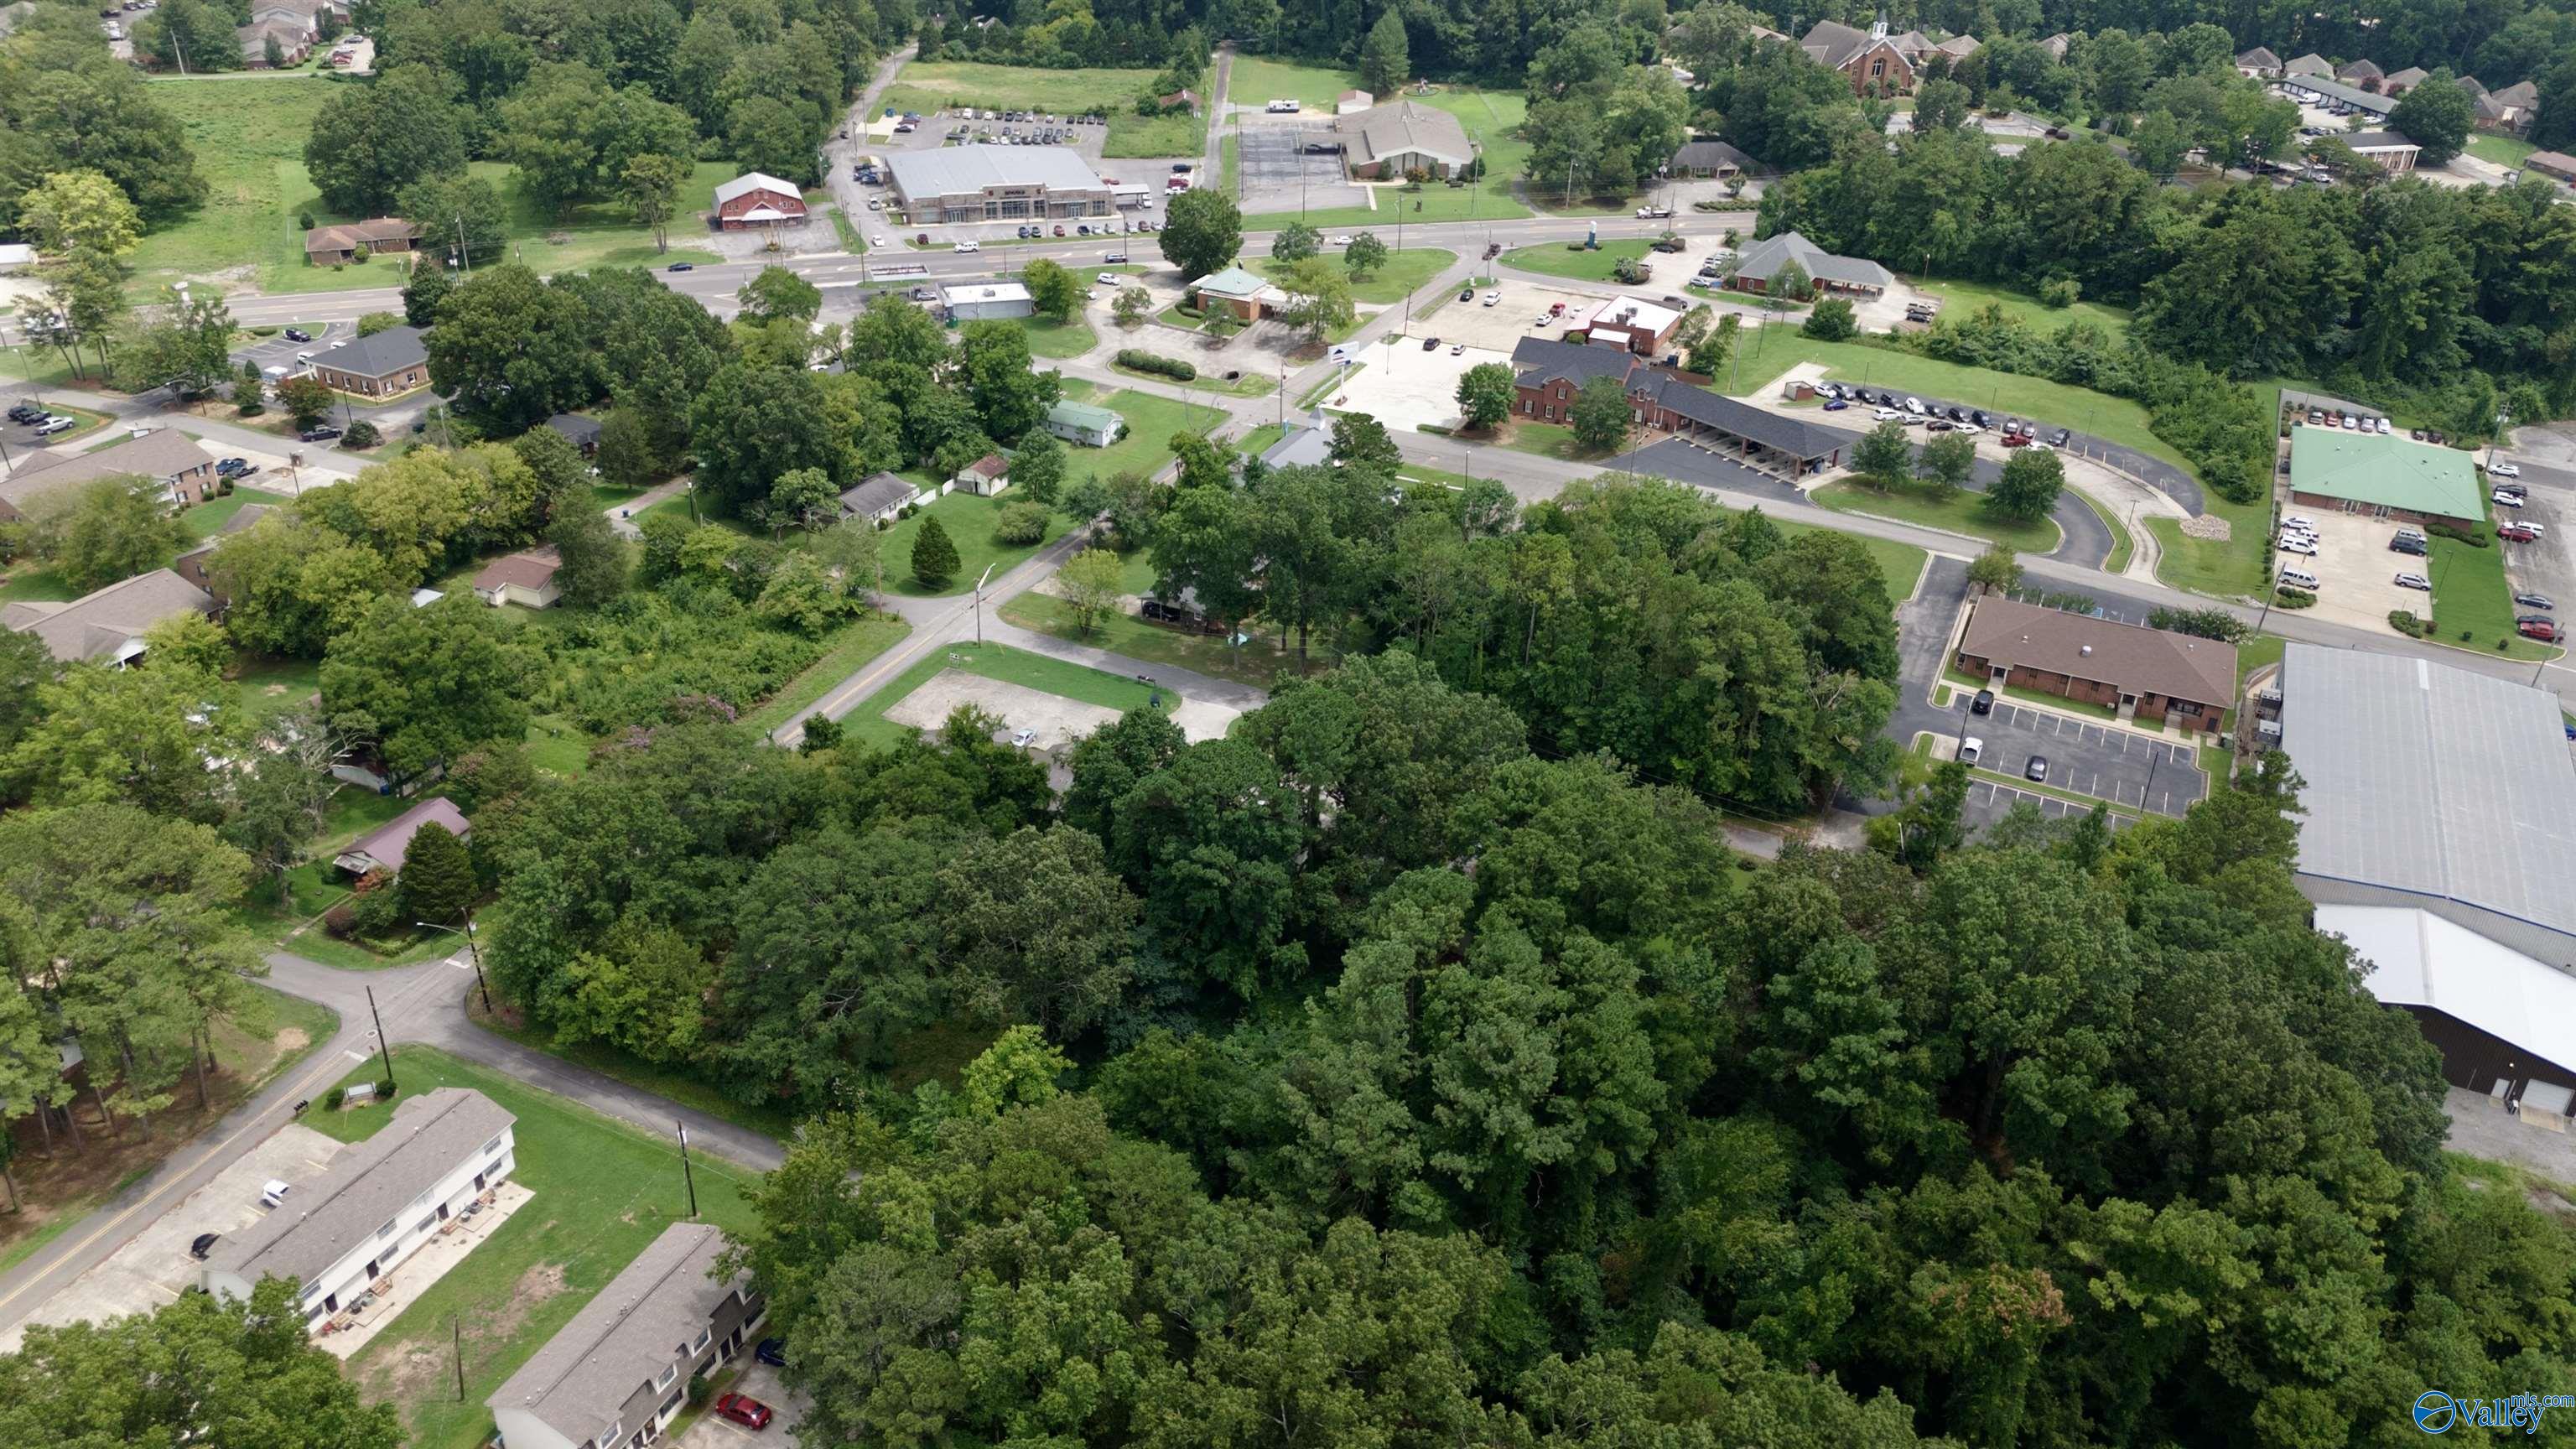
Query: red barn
<point x="754" y="199"/>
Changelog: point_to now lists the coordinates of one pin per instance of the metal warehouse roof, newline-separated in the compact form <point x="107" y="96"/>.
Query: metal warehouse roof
<point x="2383" y="469"/>
<point x="2432" y="780"/>
<point x="961" y="170"/>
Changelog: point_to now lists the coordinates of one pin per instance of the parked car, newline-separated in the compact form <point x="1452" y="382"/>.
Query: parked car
<point x="1430" y="344"/>
<point x="2516" y="489"/>
<point x="2434" y="435"/>
<point x="2415" y="581"/>
<point x="1886" y="415"/>
<point x="51" y="426"/>
<point x="1340" y="241"/>
<point x="2509" y="500"/>
<point x="227" y="467"/>
<point x="2530" y="600"/>
<point x="1107" y="279"/>
<point x="2016" y="440"/>
<point x="2412" y="547"/>
<point x="2515" y="532"/>
<point x="204" y="1244"/>
<point x="273" y="1192"/>
<point x="1939" y="425"/>
<point x="297" y="334"/>
<point x="1984" y="703"/>
<point x="1457" y="349"/>
<point x="743" y="1409"/>
<point x="772" y="1351"/>
<point x="2037" y="769"/>
<point x="1914" y="405"/>
<point x="322" y="434"/>
<point x="1955" y="414"/>
<point x="2535" y="626"/>
<point x="2504" y="470"/>
<point x="1835" y="405"/>
<point x="681" y="267"/>
<point x="1467" y="294"/>
<point x="2298" y="543"/>
<point x="2060" y="438"/>
<point x="1978" y="416"/>
<point x="1971" y="750"/>
<point x="2381" y="424"/>
<point x="1493" y="297"/>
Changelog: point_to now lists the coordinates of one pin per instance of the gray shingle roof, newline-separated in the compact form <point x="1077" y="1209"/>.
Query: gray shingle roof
<point x="1764" y="259"/>
<point x="963" y="170"/>
<point x="366" y="1186"/>
<point x="162" y="453"/>
<point x="1800" y="440"/>
<point x="99" y="624"/>
<point x="1710" y="155"/>
<point x="619" y="1340"/>
<point x="1401" y="127"/>
<point x="2432" y="780"/>
<point x="379" y="355"/>
<point x="2260" y="58"/>
<point x="2359" y="100"/>
<point x="876" y="493"/>
<point x="576" y="429"/>
<point x="2374" y="140"/>
<point x="390" y="843"/>
<point x="1538" y="361"/>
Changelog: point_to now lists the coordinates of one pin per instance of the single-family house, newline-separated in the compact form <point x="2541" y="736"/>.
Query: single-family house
<point x="581" y="432"/>
<point x="878" y="498"/>
<point x="294" y="41"/>
<point x="1707" y="158"/>
<point x="1240" y="292"/>
<point x="376" y="1204"/>
<point x="107" y="625"/>
<point x="192" y="564"/>
<point x="1389" y="142"/>
<point x="2360" y="74"/>
<point x="340" y="242"/>
<point x="2057" y="46"/>
<point x="184" y="471"/>
<point x="1873" y="62"/>
<point x="2311" y="66"/>
<point x="381" y="364"/>
<point x="2557" y="165"/>
<point x="1764" y="260"/>
<point x="382" y="849"/>
<point x="526" y="578"/>
<point x="2515" y="105"/>
<point x="985" y="476"/>
<point x="2398" y="83"/>
<point x="1093" y="427"/>
<point x="756" y="199"/>
<point x="619" y="1372"/>
<point x="1957" y="47"/>
<point x="2258" y="64"/>
<point x="2142" y="673"/>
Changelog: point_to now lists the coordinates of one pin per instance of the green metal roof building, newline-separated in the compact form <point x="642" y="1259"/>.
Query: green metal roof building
<point x="2385" y="476"/>
<point x="1082" y="423"/>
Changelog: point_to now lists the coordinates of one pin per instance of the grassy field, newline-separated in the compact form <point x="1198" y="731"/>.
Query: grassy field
<point x="1258" y="79"/>
<point x="868" y="725"/>
<point x="29" y="581"/>
<point x="1492" y="119"/>
<point x="1151" y="422"/>
<point x="248" y="135"/>
<point x="1961" y="513"/>
<point x="2501" y="150"/>
<point x="938" y="85"/>
<point x="1404" y="274"/>
<point x="603" y="1192"/>
<point x="202" y="520"/>
<point x="1050" y="338"/>
<point x="2471" y="599"/>
<point x="1963" y="298"/>
<point x="1556" y="259"/>
<point x="852" y="645"/>
<point x="2226" y="570"/>
<point x="969" y="520"/>
<point x="1767" y="352"/>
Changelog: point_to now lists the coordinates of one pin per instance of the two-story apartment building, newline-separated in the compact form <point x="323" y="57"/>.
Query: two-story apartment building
<point x="374" y="1206"/>
<point x="619" y="1372"/>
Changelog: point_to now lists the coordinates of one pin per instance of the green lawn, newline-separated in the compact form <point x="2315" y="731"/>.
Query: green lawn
<point x="1556" y="259"/>
<point x="1253" y="444"/>
<point x="1550" y="440"/>
<point x="2502" y="150"/>
<point x="936" y="85"/>
<point x="248" y="136"/>
<point x="1332" y="383"/>
<point x="1258" y="79"/>
<point x="852" y="645"/>
<point x="2229" y="570"/>
<point x="1405" y="273"/>
<point x="868" y="725"/>
<point x="2471" y="599"/>
<point x="273" y="686"/>
<point x="1964" y="298"/>
<point x="1151" y="422"/>
<point x="1962" y="513"/>
<point x="603" y="1192"/>
<point x="1050" y="338"/>
<point x="32" y="583"/>
<point x="969" y="521"/>
<point x="1766" y="352"/>
<point x="1228" y="163"/>
<point x="205" y="518"/>
<point x="2261" y="651"/>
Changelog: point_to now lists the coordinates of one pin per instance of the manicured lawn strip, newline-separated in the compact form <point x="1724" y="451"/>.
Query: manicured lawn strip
<point x="204" y="519"/>
<point x="1331" y="382"/>
<point x="1404" y="274"/>
<point x="2229" y="570"/>
<point x="1964" y="512"/>
<point x="2261" y="651"/>
<point x="1253" y="444"/>
<point x="2470" y="596"/>
<point x="1228" y="163"/>
<point x="1256" y="662"/>
<point x="603" y="1192"/>
<point x="969" y="521"/>
<point x="1259" y="79"/>
<point x="853" y="645"/>
<point x="2502" y="150"/>
<point x="1549" y="440"/>
<point x="1770" y="351"/>
<point x="867" y="723"/>
<point x="1151" y="422"/>
<point x="766" y="1118"/>
<point x="32" y="583"/>
<point x="2122" y="545"/>
<point x="1964" y="298"/>
<point x="1556" y="259"/>
<point x="1050" y="338"/>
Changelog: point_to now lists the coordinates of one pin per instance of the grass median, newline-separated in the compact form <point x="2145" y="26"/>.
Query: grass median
<point x="1962" y="512"/>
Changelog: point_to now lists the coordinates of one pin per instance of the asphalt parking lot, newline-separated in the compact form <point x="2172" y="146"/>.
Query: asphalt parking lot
<point x="2356" y="570"/>
<point x="2545" y="564"/>
<point x="1277" y="172"/>
<point x="1501" y="327"/>
<point x="2102" y="761"/>
<point x="278" y="351"/>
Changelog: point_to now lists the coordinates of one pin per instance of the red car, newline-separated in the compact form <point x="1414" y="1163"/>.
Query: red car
<point x="2544" y="630"/>
<point x="743" y="1409"/>
<point x="2015" y="440"/>
<point x="2515" y="533"/>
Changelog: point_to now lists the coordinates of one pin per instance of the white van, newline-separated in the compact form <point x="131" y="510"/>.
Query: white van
<point x="2299" y="579"/>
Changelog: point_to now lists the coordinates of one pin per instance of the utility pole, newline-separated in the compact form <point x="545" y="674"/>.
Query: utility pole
<point x="686" y="1175"/>
<point x="456" y="1345"/>
<point x="472" y="946"/>
<point x="464" y="261"/>
<point x="383" y="1047"/>
<point x="988" y="573"/>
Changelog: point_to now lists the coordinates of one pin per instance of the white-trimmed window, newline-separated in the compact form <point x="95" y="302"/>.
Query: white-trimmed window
<point x="705" y="1336"/>
<point x="669" y="1372"/>
<point x="387" y="1231"/>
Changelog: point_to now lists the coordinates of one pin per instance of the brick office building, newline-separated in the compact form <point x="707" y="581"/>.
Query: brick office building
<point x="2147" y="674"/>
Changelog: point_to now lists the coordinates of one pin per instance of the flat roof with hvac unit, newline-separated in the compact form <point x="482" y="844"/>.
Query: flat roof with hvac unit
<point x="997" y="183"/>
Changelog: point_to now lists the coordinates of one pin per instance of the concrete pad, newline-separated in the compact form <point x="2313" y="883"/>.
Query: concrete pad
<point x="151" y="1269"/>
<point x="2356" y="571"/>
<point x="1202" y="719"/>
<point x="345" y="1333"/>
<point x="761" y="1382"/>
<point x="1058" y="721"/>
<point x="1409" y="388"/>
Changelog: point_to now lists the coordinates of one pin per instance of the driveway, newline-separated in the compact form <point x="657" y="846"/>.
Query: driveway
<point x="2546" y="563"/>
<point x="2100" y="760"/>
<point x="761" y="1382"/>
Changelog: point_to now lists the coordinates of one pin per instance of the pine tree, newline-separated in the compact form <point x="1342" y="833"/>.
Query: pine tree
<point x="1385" y="57"/>
<point x="934" y="556"/>
<point x="437" y="876"/>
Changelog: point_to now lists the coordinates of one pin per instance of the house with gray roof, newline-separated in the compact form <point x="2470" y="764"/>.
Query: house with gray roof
<point x="1763" y="260"/>
<point x="1710" y="158"/>
<point x="1386" y="142"/>
<point x="619" y="1372"/>
<point x="2258" y="63"/>
<point x="107" y="626"/>
<point x="172" y="459"/>
<point x="2515" y="105"/>
<point x="378" y="365"/>
<point x="2310" y="64"/>
<point x="376" y="1204"/>
<point x="878" y="498"/>
<point x="1307" y="445"/>
<point x="2437" y="834"/>
<point x="2355" y="73"/>
<point x="2398" y="83"/>
<point x="388" y="845"/>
